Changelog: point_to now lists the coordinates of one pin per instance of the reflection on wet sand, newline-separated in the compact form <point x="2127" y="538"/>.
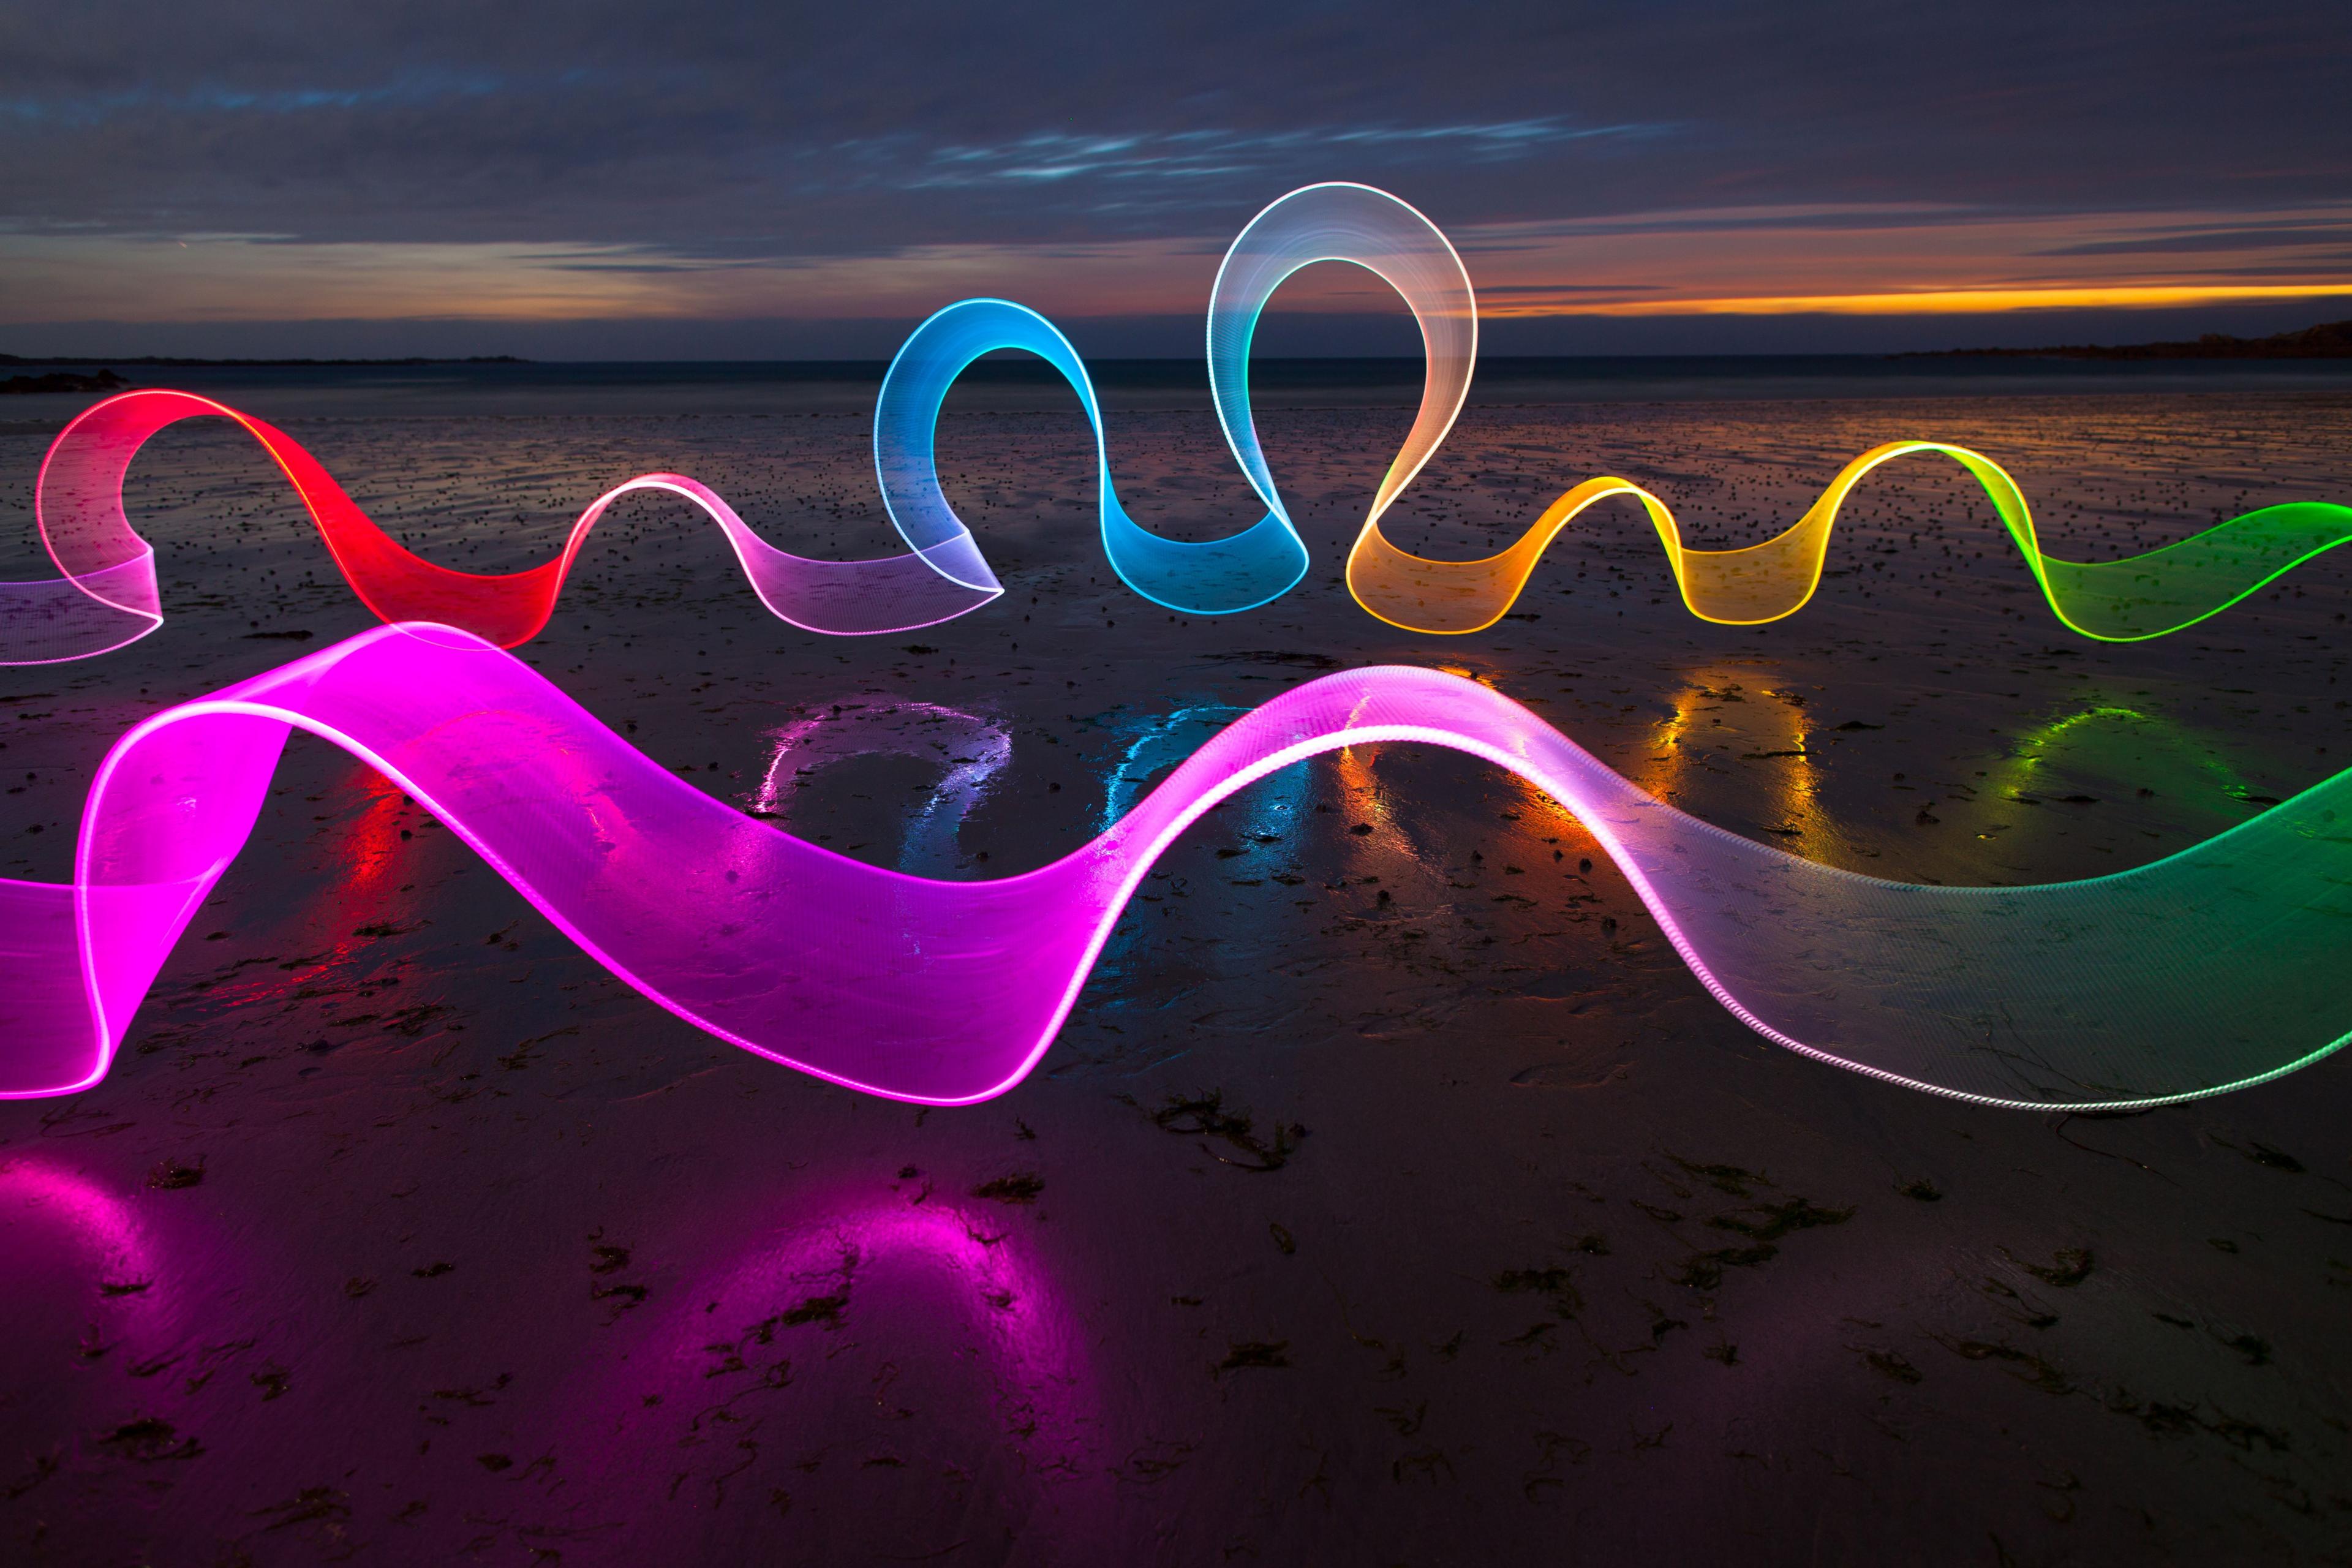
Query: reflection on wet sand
<point x="114" y="1243"/>
<point x="1769" y="725"/>
<point x="970" y="750"/>
<point x="90" y="1293"/>
<point x="925" y="1329"/>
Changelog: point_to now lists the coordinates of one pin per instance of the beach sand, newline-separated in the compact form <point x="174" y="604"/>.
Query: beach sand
<point x="1390" y="1197"/>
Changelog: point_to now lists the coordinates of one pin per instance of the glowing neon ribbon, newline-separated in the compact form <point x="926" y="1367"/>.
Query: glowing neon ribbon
<point x="2119" y="600"/>
<point x="1258" y="564"/>
<point x="109" y="595"/>
<point x="2217" y="967"/>
<point x="2126" y="600"/>
<point x="2139" y="596"/>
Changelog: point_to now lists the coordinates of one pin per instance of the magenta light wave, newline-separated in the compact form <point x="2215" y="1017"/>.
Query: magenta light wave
<point x="2213" y="968"/>
<point x="107" y="596"/>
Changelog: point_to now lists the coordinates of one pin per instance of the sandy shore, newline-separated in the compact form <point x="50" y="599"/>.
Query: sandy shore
<point x="1379" y="1203"/>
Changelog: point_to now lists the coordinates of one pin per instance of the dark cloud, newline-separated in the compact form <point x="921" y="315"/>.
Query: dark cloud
<point x="2268" y="237"/>
<point x="711" y="132"/>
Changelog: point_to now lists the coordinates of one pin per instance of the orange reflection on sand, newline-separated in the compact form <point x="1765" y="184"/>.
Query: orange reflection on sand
<point x="1768" y="729"/>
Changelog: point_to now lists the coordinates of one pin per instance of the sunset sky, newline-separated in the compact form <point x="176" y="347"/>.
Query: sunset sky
<point x="704" y="181"/>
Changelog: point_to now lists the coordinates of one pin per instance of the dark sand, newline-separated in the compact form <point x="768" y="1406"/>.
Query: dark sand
<point x="1390" y="1199"/>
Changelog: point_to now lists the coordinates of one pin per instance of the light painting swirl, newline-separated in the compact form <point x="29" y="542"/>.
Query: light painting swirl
<point x="108" y="594"/>
<point x="2140" y="596"/>
<point x="2212" y="969"/>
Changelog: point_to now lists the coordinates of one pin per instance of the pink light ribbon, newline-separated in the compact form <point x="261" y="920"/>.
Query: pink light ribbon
<point x="2213" y="968"/>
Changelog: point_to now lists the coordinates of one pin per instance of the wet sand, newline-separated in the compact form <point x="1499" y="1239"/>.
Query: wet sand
<point x="1392" y="1196"/>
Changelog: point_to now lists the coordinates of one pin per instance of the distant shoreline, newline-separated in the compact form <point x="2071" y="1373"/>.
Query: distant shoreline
<point x="164" y="360"/>
<point x="2329" y="339"/>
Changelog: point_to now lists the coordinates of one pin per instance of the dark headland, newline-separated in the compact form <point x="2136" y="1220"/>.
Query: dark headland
<point x="106" y="380"/>
<point x="63" y="380"/>
<point x="166" y="360"/>
<point x="2329" y="339"/>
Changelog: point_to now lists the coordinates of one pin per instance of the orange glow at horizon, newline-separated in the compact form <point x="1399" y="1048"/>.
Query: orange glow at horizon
<point x="1926" y="303"/>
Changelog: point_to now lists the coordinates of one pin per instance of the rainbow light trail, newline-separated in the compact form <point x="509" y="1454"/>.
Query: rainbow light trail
<point x="2214" y="968"/>
<point x="108" y="594"/>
